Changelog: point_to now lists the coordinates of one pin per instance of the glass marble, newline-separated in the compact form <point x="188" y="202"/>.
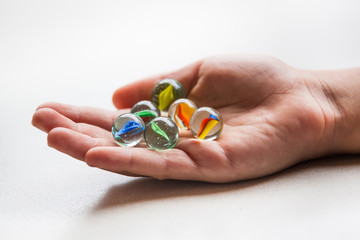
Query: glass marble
<point x="161" y="133"/>
<point x="206" y="123"/>
<point x="146" y="110"/>
<point x="128" y="129"/>
<point x="181" y="111"/>
<point x="165" y="92"/>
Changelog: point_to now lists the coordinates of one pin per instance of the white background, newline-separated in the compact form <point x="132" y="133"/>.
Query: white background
<point x="79" y="52"/>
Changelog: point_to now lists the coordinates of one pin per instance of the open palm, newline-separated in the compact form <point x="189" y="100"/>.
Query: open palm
<point x="271" y="121"/>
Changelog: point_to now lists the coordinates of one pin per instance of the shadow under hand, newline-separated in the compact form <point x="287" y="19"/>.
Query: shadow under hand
<point x="328" y="162"/>
<point x="147" y="189"/>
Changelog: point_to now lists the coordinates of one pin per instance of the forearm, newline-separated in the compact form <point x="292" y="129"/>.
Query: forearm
<point x="341" y="98"/>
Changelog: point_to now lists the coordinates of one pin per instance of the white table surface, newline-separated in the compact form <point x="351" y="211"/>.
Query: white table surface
<point x="79" y="52"/>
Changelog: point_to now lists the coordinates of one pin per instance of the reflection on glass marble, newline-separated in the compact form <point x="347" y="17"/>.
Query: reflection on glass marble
<point x="146" y="110"/>
<point x="165" y="92"/>
<point x="206" y="123"/>
<point x="128" y="129"/>
<point x="181" y="111"/>
<point x="161" y="133"/>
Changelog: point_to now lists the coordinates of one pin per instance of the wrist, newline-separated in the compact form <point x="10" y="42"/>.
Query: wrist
<point x="338" y="93"/>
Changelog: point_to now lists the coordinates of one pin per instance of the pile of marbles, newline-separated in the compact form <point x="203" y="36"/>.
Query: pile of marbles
<point x="160" y="132"/>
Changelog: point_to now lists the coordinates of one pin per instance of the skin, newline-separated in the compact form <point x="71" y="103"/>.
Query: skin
<point x="274" y="116"/>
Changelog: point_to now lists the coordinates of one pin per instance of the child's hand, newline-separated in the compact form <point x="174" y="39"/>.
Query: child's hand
<point x="274" y="116"/>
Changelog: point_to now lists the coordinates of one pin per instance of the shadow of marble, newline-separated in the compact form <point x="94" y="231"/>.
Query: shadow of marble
<point x="147" y="189"/>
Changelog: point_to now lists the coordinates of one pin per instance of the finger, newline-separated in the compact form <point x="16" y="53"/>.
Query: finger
<point x="127" y="96"/>
<point x="73" y="143"/>
<point x="46" y="119"/>
<point x="169" y="164"/>
<point x="83" y="114"/>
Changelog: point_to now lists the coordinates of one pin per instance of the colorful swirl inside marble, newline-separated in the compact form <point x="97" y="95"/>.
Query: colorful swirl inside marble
<point x="206" y="123"/>
<point x="128" y="129"/>
<point x="161" y="133"/>
<point x="166" y="92"/>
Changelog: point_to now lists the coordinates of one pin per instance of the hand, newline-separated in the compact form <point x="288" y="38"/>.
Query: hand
<point x="274" y="116"/>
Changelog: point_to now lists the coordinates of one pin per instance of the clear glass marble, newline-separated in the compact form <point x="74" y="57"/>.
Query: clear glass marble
<point x="166" y="92"/>
<point x="161" y="133"/>
<point x="181" y="111"/>
<point x="206" y="123"/>
<point x="146" y="110"/>
<point x="128" y="129"/>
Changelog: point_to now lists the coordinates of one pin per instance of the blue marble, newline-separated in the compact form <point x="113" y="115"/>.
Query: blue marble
<point x="128" y="129"/>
